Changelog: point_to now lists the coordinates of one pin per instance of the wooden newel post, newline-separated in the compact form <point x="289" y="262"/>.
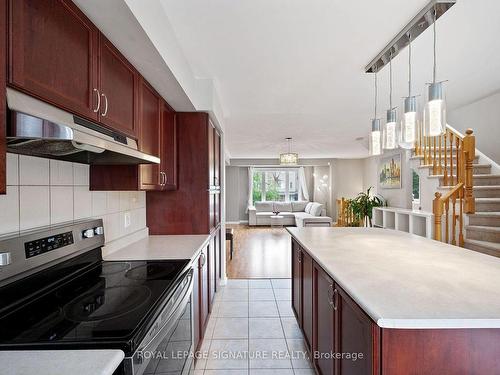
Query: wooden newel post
<point x="437" y="210"/>
<point x="469" y="153"/>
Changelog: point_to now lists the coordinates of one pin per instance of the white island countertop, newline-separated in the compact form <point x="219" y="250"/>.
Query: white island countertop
<point x="407" y="281"/>
<point x="162" y="247"/>
<point x="51" y="362"/>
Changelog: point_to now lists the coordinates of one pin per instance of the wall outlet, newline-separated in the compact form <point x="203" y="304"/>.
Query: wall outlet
<point x="126" y="221"/>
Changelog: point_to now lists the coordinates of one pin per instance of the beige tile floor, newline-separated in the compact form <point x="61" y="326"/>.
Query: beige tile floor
<point x="252" y="331"/>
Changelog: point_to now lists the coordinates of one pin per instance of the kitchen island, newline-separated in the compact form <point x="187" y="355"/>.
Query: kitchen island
<point x="410" y="304"/>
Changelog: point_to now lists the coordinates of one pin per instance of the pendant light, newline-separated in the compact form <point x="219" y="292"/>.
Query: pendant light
<point x="375" y="135"/>
<point x="289" y="158"/>
<point x="435" y="109"/>
<point x="410" y="120"/>
<point x="390" y="129"/>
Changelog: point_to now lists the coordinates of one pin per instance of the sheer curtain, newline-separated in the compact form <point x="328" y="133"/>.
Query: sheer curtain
<point x="303" y="184"/>
<point x="250" y="187"/>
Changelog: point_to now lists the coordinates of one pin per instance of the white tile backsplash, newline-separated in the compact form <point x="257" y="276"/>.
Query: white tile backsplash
<point x="33" y="171"/>
<point x="61" y="173"/>
<point x="12" y="169"/>
<point x="83" y="202"/>
<point x="34" y="203"/>
<point x="55" y="191"/>
<point x="81" y="174"/>
<point x="9" y="210"/>
<point x="61" y="204"/>
<point x="99" y="203"/>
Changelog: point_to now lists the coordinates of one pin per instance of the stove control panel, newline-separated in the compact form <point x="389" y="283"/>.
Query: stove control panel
<point x="43" y="245"/>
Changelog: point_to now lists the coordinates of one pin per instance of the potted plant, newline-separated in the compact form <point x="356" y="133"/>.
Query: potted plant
<point x="362" y="206"/>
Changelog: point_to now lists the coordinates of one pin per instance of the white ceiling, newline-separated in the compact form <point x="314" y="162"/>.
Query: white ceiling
<point x="296" y="68"/>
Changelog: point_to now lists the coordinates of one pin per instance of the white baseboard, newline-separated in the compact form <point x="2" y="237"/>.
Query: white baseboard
<point x="237" y="222"/>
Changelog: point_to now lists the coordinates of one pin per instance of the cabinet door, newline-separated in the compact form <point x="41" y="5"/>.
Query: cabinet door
<point x="53" y="54"/>
<point x="211" y="176"/>
<point x="3" y="114"/>
<point x="297" y="281"/>
<point x="149" y="139"/>
<point x="204" y="296"/>
<point x="211" y="272"/>
<point x="169" y="148"/>
<point x="324" y="320"/>
<point x="196" y="304"/>
<point x="118" y="85"/>
<point x="307" y="298"/>
<point x="217" y="182"/>
<point x="356" y="333"/>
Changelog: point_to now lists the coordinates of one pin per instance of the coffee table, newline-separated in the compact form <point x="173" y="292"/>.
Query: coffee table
<point x="277" y="221"/>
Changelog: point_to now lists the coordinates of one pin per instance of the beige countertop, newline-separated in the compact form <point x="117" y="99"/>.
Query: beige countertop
<point x="162" y="247"/>
<point x="406" y="281"/>
<point x="53" y="362"/>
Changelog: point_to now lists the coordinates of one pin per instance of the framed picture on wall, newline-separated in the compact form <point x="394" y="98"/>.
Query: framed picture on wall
<point x="389" y="173"/>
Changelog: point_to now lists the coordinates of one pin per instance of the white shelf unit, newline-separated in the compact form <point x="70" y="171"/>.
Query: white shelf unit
<point x="405" y="220"/>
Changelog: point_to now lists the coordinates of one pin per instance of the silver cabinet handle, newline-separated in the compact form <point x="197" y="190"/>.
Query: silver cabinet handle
<point x="335" y="298"/>
<point x="98" y="101"/>
<point x="204" y="259"/>
<point x="299" y="256"/>
<point x="163" y="178"/>
<point x="329" y="296"/>
<point x="105" y="105"/>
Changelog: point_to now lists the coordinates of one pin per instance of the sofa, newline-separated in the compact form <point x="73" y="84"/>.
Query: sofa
<point x="300" y="214"/>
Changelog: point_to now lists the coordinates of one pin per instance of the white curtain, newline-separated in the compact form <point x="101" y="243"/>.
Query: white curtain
<point x="250" y="187"/>
<point x="303" y="184"/>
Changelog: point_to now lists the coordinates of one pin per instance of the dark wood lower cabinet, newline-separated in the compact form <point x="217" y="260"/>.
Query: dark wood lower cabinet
<point x="3" y="100"/>
<point x="197" y="334"/>
<point x="356" y="334"/>
<point x="323" y="322"/>
<point x="204" y="292"/>
<point x="307" y="299"/>
<point x="297" y="281"/>
<point x="346" y="341"/>
<point x="211" y="272"/>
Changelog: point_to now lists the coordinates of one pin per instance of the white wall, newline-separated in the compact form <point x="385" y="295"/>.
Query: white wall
<point x="483" y="116"/>
<point x="395" y="197"/>
<point x="42" y="192"/>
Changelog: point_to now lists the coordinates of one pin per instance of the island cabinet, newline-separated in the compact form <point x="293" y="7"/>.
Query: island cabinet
<point x="3" y="80"/>
<point x="332" y="323"/>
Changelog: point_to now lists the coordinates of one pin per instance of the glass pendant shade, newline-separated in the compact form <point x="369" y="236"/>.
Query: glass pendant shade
<point x="289" y="158"/>
<point x="390" y="130"/>
<point x="409" y="123"/>
<point x="435" y="111"/>
<point x="375" y="138"/>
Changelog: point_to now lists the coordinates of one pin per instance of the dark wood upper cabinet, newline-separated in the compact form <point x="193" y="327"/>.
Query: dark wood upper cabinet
<point x="191" y="208"/>
<point x="324" y="320"/>
<point x="53" y="54"/>
<point x="3" y="82"/>
<point x="168" y="148"/>
<point x="150" y="113"/>
<point x="118" y="89"/>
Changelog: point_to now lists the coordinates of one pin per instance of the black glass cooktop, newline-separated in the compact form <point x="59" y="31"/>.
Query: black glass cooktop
<point x="109" y="302"/>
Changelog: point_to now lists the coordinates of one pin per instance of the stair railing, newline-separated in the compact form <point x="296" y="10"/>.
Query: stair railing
<point x="451" y="156"/>
<point x="345" y="214"/>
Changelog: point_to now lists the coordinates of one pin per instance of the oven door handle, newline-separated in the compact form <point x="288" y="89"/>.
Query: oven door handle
<point x="177" y="311"/>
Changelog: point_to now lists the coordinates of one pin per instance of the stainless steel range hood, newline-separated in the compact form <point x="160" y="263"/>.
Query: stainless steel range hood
<point x="39" y="129"/>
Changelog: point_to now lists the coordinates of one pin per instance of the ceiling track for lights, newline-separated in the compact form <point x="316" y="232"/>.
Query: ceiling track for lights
<point x="415" y="27"/>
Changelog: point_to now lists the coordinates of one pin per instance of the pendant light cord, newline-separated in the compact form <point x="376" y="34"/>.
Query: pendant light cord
<point x="390" y="82"/>
<point x="376" y="94"/>
<point x="409" y="65"/>
<point x="434" y="31"/>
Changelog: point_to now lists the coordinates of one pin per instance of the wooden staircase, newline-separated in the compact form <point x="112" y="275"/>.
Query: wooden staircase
<point x="467" y="204"/>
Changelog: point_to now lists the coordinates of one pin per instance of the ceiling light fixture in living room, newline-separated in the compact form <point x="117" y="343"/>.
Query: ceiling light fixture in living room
<point x="289" y="158"/>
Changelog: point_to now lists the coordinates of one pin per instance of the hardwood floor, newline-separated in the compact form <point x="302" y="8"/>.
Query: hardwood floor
<point x="259" y="252"/>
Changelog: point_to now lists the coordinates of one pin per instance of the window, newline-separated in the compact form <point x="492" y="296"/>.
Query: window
<point x="276" y="185"/>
